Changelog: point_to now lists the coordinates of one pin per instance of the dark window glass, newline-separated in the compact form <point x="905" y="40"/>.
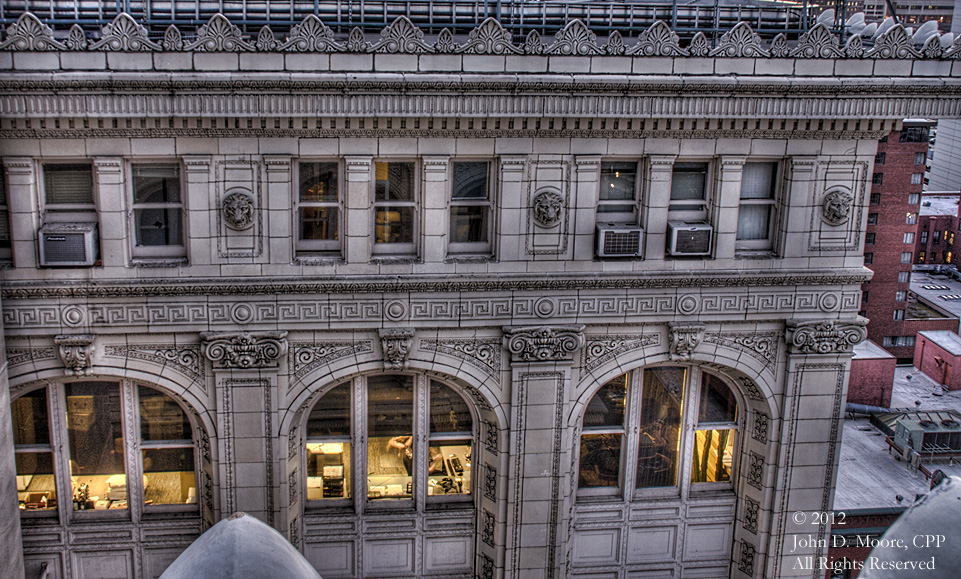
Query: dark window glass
<point x="161" y="418"/>
<point x="606" y="408"/>
<point x="660" y="427"/>
<point x="717" y="401"/>
<point x="95" y="435"/>
<point x="68" y="184"/>
<point x="331" y="416"/>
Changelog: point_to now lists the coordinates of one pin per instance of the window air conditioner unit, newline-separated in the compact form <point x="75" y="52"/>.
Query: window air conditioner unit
<point x="619" y="240"/>
<point x="689" y="238"/>
<point x="68" y="244"/>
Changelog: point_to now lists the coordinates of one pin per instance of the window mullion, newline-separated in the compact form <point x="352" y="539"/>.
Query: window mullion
<point x="421" y="430"/>
<point x="358" y="424"/>
<point x="131" y="434"/>
<point x="688" y="420"/>
<point x="56" y="407"/>
<point x="631" y="430"/>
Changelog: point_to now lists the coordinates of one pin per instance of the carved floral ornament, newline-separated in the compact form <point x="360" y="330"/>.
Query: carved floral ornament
<point x="543" y="343"/>
<point x="490" y="37"/>
<point x="244" y="350"/>
<point x="76" y="353"/>
<point x="685" y="338"/>
<point x="825" y="337"/>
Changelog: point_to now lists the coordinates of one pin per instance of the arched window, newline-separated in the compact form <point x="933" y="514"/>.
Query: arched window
<point x="409" y="452"/>
<point x="655" y="428"/>
<point x="77" y="428"/>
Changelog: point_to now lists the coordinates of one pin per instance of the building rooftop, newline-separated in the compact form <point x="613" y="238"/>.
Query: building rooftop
<point x="870" y="477"/>
<point x="947" y="340"/>
<point x="869" y="350"/>
<point x="939" y="205"/>
<point x="939" y="289"/>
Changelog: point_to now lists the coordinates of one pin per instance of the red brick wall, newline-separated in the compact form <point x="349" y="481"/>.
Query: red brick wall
<point x="926" y="353"/>
<point x="937" y="252"/>
<point x="847" y="548"/>
<point x="871" y="381"/>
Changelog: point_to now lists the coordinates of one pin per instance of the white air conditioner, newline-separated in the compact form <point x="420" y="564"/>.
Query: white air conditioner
<point x="689" y="238"/>
<point x="68" y="244"/>
<point x="619" y="240"/>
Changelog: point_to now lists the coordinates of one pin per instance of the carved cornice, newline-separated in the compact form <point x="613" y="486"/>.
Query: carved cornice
<point x="543" y="343"/>
<point x="396" y="343"/>
<point x="244" y="350"/>
<point x="685" y="338"/>
<point x="76" y="352"/>
<point x="46" y="290"/>
<point x="825" y="337"/>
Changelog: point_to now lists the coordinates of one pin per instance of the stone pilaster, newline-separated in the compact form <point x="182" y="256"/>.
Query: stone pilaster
<point x="538" y="498"/>
<point x="658" y="198"/>
<point x="436" y="190"/>
<point x="245" y="367"/>
<point x="357" y="203"/>
<point x="819" y="360"/>
<point x="11" y="543"/>
<point x="22" y="202"/>
<point x="109" y="188"/>
<point x="280" y="191"/>
<point x="726" y="202"/>
<point x="200" y="220"/>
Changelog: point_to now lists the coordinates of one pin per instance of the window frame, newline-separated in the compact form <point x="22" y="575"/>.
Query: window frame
<point x="480" y="248"/>
<point x="396" y="249"/>
<point x="132" y="451"/>
<point x="621" y="217"/>
<point x="879" y="158"/>
<point x="157" y="251"/>
<point x="768" y="244"/>
<point x="691" y="399"/>
<point x="872" y="218"/>
<point x="68" y="212"/>
<point x="904" y="276"/>
<point x="422" y="439"/>
<point x="907" y="256"/>
<point x="917" y="178"/>
<point x="908" y="238"/>
<point x="924" y="236"/>
<point x="692" y="215"/>
<point x="898" y="315"/>
<point x="318" y="246"/>
<point x="6" y="245"/>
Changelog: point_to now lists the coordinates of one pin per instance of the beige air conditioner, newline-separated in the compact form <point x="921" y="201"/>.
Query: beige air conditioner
<point x="619" y="240"/>
<point x="68" y="244"/>
<point x="692" y="239"/>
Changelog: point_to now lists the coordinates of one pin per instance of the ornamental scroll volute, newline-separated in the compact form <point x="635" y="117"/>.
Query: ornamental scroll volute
<point x="244" y="350"/>
<point x="76" y="352"/>
<point x="825" y="336"/>
<point x="543" y="343"/>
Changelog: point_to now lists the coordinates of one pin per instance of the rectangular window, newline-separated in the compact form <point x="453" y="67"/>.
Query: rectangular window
<point x="36" y="487"/>
<point x="910" y="218"/>
<point x="948" y="257"/>
<point x="157" y="210"/>
<point x="318" y="207"/>
<point x="906" y="256"/>
<point x="904" y="276"/>
<point x="68" y="187"/>
<point x="470" y="208"/>
<point x="869" y="238"/>
<point x="908" y="238"/>
<point x="390" y="443"/>
<point x="921" y="256"/>
<point x="95" y="436"/>
<point x="872" y="218"/>
<point x="617" y="202"/>
<point x="950" y="238"/>
<point x="937" y="237"/>
<point x="888" y="341"/>
<point x="875" y="198"/>
<point x="395" y="208"/>
<point x="924" y="236"/>
<point x="900" y="296"/>
<point x="877" y="179"/>
<point x="755" y="218"/>
<point x="898" y="315"/>
<point x="919" y="159"/>
<point x="914" y="135"/>
<point x="914" y="198"/>
<point x="688" y="192"/>
<point x="713" y="455"/>
<point x="916" y="178"/>
<point x="868" y="258"/>
<point x="864" y="296"/>
<point x="879" y="159"/>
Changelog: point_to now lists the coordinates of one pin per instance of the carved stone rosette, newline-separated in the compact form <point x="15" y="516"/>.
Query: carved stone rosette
<point x="76" y="353"/>
<point x="244" y="350"/>
<point x="825" y="337"/>
<point x="685" y="337"/>
<point x="543" y="343"/>
<point x="397" y="343"/>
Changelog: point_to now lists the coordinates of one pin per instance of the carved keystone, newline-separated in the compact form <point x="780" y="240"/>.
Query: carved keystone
<point x="685" y="337"/>
<point x="397" y="343"/>
<point x="76" y="353"/>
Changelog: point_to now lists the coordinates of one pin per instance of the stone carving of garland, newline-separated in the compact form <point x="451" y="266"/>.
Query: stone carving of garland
<point x="490" y="37"/>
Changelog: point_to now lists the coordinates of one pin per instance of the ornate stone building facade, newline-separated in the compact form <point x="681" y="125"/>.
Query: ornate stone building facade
<point x="439" y="307"/>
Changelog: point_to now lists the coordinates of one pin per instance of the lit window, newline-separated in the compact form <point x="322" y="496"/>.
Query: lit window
<point x="395" y="208"/>
<point x="948" y="257"/>
<point x="97" y="448"/>
<point x="921" y="256"/>
<point x="688" y="192"/>
<point x="393" y="459"/>
<point x="898" y="314"/>
<point x="470" y="207"/>
<point x="157" y="210"/>
<point x="906" y="257"/>
<point x="916" y="178"/>
<point x="644" y="411"/>
<point x="618" y="195"/>
<point x="910" y="218"/>
<point x="318" y="207"/>
<point x="951" y="238"/>
<point x="904" y="276"/>
<point x="908" y="238"/>
<point x="755" y="218"/>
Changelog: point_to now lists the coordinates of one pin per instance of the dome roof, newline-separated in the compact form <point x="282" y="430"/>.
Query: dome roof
<point x="241" y="546"/>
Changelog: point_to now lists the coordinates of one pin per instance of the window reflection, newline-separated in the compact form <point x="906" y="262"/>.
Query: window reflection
<point x="449" y="452"/>
<point x="36" y="486"/>
<point x="168" y="453"/>
<point x="328" y="446"/>
<point x="390" y="448"/>
<point x="660" y="427"/>
<point x="713" y="456"/>
<point x="95" y="434"/>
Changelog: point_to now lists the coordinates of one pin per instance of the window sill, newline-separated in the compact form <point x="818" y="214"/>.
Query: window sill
<point x="159" y="262"/>
<point x="470" y="258"/>
<point x="168" y="512"/>
<point x="318" y="260"/>
<point x="388" y="259"/>
<point x="755" y="254"/>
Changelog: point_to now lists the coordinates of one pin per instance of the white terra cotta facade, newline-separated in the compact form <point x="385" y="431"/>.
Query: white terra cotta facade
<point x="576" y="387"/>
